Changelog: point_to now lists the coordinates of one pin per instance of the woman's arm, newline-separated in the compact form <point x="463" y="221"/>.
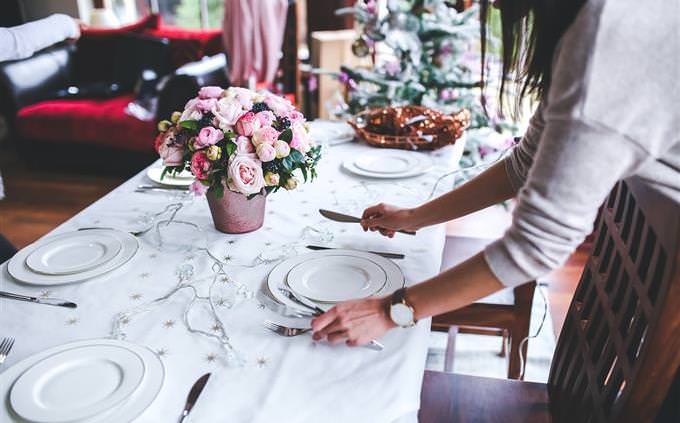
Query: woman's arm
<point x="22" y="41"/>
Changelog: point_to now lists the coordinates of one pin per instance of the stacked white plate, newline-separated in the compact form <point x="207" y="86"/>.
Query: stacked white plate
<point x="388" y="164"/>
<point x="73" y="256"/>
<point x="331" y="276"/>
<point x="99" y="380"/>
<point x="330" y="132"/>
<point x="182" y="179"/>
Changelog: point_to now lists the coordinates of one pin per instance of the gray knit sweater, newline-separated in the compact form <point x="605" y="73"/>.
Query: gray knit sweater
<point x="612" y="111"/>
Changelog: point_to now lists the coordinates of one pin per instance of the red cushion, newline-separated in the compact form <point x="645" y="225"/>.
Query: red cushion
<point x="101" y="122"/>
<point x="188" y="45"/>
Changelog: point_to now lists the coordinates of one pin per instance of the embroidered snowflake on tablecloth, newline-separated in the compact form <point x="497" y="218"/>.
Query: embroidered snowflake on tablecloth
<point x="162" y="352"/>
<point x="136" y="296"/>
<point x="261" y="306"/>
<point x="124" y="320"/>
<point x="45" y="293"/>
<point x="211" y="357"/>
<point x="227" y="258"/>
<point x="216" y="327"/>
<point x="153" y="256"/>
<point x="231" y="242"/>
<point x="169" y="324"/>
<point x="221" y="302"/>
<point x="262" y="362"/>
<point x="72" y="321"/>
<point x="145" y="275"/>
<point x="267" y="244"/>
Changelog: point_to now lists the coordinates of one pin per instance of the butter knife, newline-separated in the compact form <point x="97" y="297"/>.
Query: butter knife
<point x="396" y="256"/>
<point x="194" y="393"/>
<point x="47" y="301"/>
<point x="345" y="218"/>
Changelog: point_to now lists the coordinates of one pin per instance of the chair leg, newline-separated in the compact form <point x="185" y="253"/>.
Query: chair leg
<point x="504" y="344"/>
<point x="450" y="349"/>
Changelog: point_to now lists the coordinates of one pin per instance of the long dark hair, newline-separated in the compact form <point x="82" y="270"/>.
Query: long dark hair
<point x="531" y="30"/>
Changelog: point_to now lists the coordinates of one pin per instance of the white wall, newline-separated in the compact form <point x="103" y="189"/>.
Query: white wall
<point x="36" y="9"/>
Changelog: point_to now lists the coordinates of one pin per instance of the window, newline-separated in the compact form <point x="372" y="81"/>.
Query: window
<point x="190" y="13"/>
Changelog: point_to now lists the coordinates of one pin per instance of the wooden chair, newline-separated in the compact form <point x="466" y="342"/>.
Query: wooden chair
<point x="507" y="314"/>
<point x="619" y="350"/>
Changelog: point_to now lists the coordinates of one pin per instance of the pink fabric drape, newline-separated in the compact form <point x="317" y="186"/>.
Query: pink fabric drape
<point x="253" y="35"/>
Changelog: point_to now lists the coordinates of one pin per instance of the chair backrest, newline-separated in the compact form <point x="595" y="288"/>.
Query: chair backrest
<point x="619" y="349"/>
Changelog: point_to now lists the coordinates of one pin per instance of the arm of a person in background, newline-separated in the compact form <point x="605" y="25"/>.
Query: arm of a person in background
<point x="22" y="41"/>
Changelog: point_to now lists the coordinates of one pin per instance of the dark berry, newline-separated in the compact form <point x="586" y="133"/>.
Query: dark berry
<point x="206" y="120"/>
<point x="259" y="107"/>
<point x="281" y="124"/>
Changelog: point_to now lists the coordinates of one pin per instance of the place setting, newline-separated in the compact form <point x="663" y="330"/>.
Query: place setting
<point x="388" y="164"/>
<point x="166" y="182"/>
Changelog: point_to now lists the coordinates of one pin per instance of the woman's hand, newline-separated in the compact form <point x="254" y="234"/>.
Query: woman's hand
<point x="354" y="322"/>
<point x="388" y="219"/>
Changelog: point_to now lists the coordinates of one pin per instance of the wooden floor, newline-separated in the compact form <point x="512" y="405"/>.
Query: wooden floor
<point x="39" y="200"/>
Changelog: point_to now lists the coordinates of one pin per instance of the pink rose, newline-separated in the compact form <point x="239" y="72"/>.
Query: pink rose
<point x="200" y="165"/>
<point x="245" y="175"/>
<point x="279" y="105"/>
<point x="300" y="140"/>
<point x="266" y="135"/>
<point x="191" y="111"/>
<point x="227" y="112"/>
<point x="244" y="146"/>
<point x="282" y="149"/>
<point x="266" y="152"/>
<point x="247" y="124"/>
<point x="266" y="118"/>
<point x="206" y="105"/>
<point x="210" y="92"/>
<point x="295" y="117"/>
<point x="172" y="155"/>
<point x="197" y="188"/>
<point x="208" y="136"/>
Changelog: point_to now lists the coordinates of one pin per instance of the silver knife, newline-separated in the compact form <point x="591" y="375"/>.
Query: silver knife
<point x="164" y="187"/>
<point x="282" y="309"/>
<point x="47" y="301"/>
<point x="396" y="256"/>
<point x="345" y="218"/>
<point x="194" y="393"/>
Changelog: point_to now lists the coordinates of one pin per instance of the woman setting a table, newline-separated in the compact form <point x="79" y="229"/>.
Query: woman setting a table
<point x="601" y="118"/>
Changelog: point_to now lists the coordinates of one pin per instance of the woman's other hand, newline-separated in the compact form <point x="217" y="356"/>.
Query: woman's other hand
<point x="388" y="219"/>
<point x="354" y="322"/>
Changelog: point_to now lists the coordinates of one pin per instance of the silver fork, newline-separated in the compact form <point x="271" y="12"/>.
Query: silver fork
<point x="285" y="330"/>
<point x="5" y="348"/>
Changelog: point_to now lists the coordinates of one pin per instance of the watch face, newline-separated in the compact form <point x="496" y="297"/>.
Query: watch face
<point x="401" y="314"/>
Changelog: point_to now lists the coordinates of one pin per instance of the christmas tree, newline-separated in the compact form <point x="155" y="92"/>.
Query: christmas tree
<point x="426" y="52"/>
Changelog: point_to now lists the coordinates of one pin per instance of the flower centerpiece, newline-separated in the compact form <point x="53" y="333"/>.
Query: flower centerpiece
<point x="240" y="145"/>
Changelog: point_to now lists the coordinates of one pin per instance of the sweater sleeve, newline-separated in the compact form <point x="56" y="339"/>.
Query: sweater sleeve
<point x="22" y="41"/>
<point x="575" y="166"/>
<point x="518" y="163"/>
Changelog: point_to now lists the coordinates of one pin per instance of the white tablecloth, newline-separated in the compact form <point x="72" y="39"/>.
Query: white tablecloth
<point x="283" y="379"/>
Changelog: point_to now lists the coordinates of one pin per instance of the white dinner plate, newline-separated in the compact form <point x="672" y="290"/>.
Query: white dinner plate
<point x="277" y="277"/>
<point x="127" y="411"/>
<point x="182" y="179"/>
<point x="73" y="252"/>
<point x="21" y="272"/>
<point x="77" y="384"/>
<point x="388" y="164"/>
<point x="331" y="279"/>
<point x="331" y="132"/>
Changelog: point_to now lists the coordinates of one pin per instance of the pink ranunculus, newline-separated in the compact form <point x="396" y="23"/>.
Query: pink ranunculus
<point x="243" y="96"/>
<point x="245" y="175"/>
<point x="266" y="118"/>
<point x="279" y="105"/>
<point x="247" y="124"/>
<point x="197" y="188"/>
<point x="244" y="146"/>
<point x="227" y="112"/>
<point x="208" y="136"/>
<point x="300" y="140"/>
<point x="200" y="165"/>
<point x="294" y="116"/>
<point x="282" y="149"/>
<point x="171" y="153"/>
<point x="266" y="135"/>
<point x="210" y="92"/>
<point x="266" y="152"/>
<point x="206" y="105"/>
<point x="191" y="111"/>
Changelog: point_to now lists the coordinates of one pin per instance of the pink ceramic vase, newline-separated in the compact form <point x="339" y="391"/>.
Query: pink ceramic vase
<point x="233" y="213"/>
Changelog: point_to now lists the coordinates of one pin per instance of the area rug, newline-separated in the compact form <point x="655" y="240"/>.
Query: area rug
<point x="479" y="355"/>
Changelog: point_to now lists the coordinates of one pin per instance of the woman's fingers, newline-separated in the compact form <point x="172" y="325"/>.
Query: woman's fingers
<point x="320" y="322"/>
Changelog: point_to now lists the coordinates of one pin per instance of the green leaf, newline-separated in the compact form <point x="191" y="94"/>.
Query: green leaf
<point x="304" y="172"/>
<point x="231" y="147"/>
<point x="286" y="135"/>
<point x="287" y="163"/>
<point x="296" y="156"/>
<point x="189" y="124"/>
<point x="218" y="190"/>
